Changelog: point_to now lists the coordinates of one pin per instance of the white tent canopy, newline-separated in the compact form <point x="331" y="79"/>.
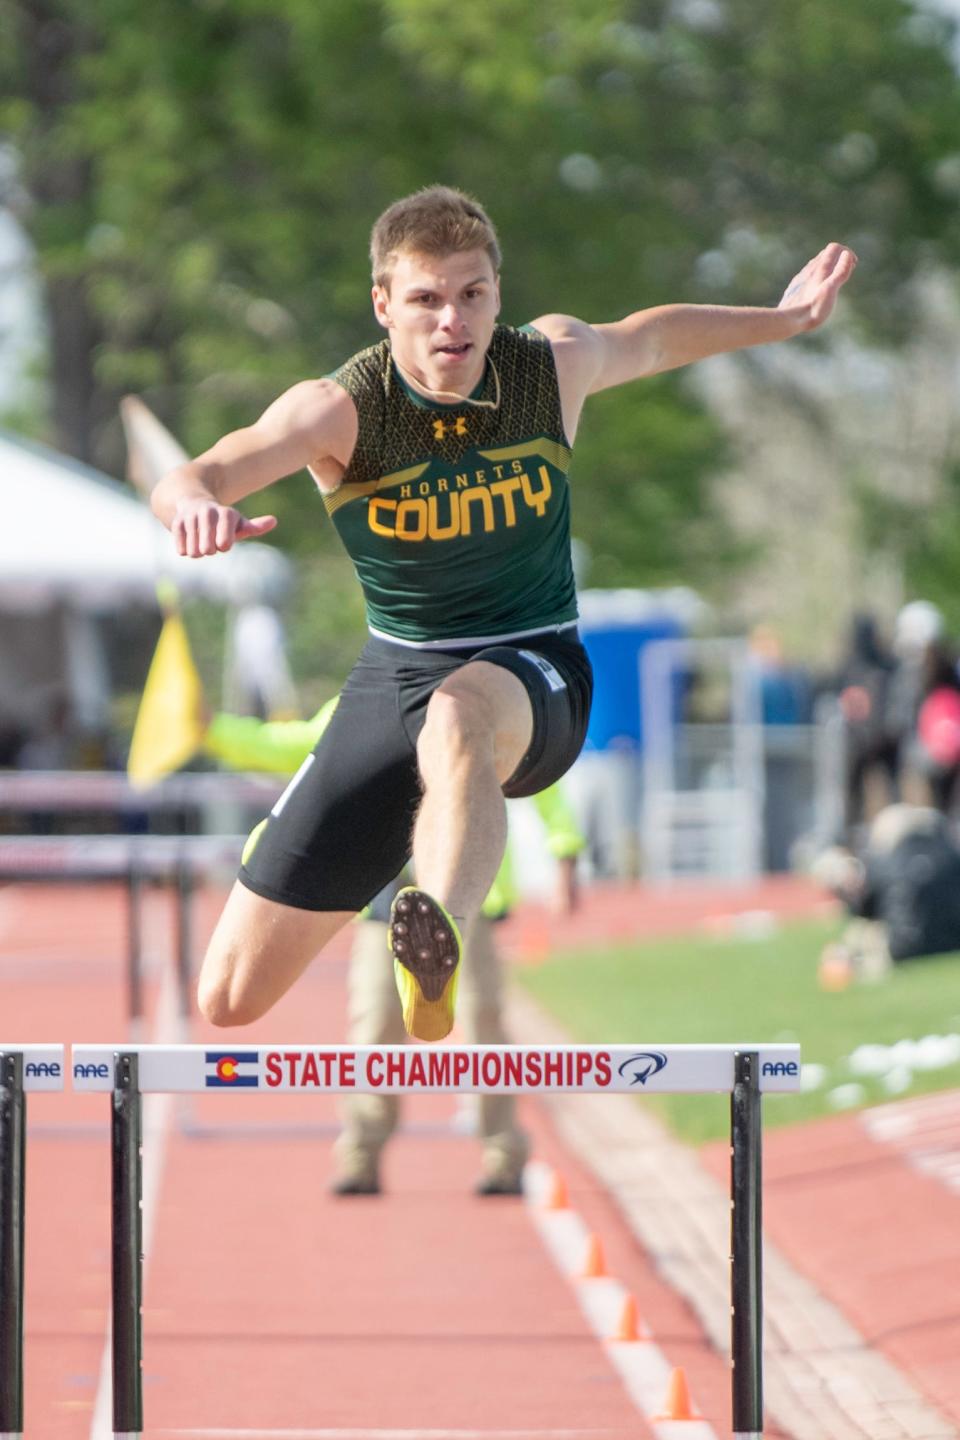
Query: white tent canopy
<point x="71" y="535"/>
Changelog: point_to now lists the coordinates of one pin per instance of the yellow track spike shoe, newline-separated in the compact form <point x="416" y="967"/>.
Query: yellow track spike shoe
<point x="426" y="947"/>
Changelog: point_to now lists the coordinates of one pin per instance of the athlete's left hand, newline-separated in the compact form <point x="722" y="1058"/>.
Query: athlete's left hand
<point x="812" y="294"/>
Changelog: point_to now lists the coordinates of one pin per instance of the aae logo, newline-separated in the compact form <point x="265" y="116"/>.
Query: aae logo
<point x="50" y="1068"/>
<point x="780" y="1067"/>
<point x="642" y="1066"/>
<point x="91" y="1070"/>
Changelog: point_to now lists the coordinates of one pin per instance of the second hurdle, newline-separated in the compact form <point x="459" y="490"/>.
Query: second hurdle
<point x="744" y="1072"/>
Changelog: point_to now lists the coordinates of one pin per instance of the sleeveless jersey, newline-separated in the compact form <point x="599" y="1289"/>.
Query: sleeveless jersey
<point x="456" y="516"/>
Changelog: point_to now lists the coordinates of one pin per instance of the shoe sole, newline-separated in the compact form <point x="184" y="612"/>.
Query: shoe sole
<point x="498" y="1189"/>
<point x="426" y="950"/>
<point x="344" y="1189"/>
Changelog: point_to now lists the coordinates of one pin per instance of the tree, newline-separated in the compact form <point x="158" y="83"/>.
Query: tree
<point x="201" y="180"/>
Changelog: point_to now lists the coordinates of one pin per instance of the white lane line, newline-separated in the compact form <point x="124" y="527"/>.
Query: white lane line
<point x="642" y="1366"/>
<point x="924" y="1131"/>
<point x="157" y="1116"/>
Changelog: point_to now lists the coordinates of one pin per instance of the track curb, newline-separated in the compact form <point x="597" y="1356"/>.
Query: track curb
<point x="822" y="1380"/>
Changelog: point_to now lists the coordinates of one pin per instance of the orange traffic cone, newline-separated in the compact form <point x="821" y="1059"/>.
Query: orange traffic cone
<point x="677" y="1405"/>
<point x="629" y="1326"/>
<point x="594" y="1264"/>
<point x="557" y="1198"/>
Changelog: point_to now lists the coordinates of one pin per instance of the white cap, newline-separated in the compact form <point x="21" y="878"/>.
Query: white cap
<point x="917" y="625"/>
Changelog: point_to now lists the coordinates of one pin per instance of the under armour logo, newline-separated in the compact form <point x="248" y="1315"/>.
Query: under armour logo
<point x="441" y="429"/>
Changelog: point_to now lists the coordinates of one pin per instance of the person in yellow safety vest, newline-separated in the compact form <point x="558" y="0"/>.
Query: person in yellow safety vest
<point x="375" y="1015"/>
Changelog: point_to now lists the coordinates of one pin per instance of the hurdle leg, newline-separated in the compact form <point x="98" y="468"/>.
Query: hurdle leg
<point x="185" y="896"/>
<point x="12" y="1177"/>
<point x="135" y="946"/>
<point x="746" y="1254"/>
<point x="127" y="1247"/>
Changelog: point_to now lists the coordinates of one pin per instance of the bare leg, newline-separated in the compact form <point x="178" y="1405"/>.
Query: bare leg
<point x="257" y="951"/>
<point x="478" y="728"/>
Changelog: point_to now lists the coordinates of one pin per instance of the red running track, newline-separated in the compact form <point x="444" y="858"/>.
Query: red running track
<point x="270" y="1305"/>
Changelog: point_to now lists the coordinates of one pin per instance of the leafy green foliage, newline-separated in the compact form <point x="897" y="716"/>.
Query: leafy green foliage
<point x="923" y="541"/>
<point x="640" y="504"/>
<point x="199" y="178"/>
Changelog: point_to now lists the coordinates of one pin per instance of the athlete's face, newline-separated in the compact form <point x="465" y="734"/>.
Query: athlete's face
<point x="440" y="312"/>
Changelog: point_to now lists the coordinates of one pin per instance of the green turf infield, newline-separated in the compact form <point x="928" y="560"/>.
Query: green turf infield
<point x="737" y="989"/>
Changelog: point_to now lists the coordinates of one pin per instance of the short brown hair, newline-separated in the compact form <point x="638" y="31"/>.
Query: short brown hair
<point x="434" y="221"/>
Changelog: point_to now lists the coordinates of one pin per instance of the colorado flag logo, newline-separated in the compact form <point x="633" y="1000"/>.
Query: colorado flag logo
<point x="232" y="1067"/>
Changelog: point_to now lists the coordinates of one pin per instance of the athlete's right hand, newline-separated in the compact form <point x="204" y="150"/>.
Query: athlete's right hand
<point x="204" y="527"/>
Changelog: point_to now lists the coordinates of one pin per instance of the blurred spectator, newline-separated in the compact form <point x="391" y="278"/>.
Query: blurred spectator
<point x="923" y="713"/>
<point x="863" y="684"/>
<point x="784" y="690"/>
<point x="907" y="886"/>
<point x="784" y="697"/>
<point x="938" y="743"/>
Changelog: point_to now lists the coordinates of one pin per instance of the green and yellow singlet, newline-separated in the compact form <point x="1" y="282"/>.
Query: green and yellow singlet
<point x="457" y="517"/>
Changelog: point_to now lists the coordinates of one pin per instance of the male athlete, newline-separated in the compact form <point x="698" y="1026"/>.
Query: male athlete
<point x="441" y="455"/>
<point x="374" y="1012"/>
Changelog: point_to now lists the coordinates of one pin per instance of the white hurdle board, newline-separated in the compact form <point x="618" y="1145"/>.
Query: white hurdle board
<point x="43" y="1065"/>
<point x="455" y="1069"/>
<point x="741" y="1071"/>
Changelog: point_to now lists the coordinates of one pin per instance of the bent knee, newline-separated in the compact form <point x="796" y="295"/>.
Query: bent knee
<point x="457" y="719"/>
<point x="224" y="1002"/>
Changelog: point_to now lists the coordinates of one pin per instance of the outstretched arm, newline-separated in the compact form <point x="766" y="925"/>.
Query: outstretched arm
<point x="314" y="423"/>
<point x="242" y="742"/>
<point x="596" y="357"/>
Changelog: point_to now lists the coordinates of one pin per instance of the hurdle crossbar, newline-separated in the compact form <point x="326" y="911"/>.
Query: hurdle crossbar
<point x="22" y="1068"/>
<point x="179" y="861"/>
<point x="109" y="857"/>
<point x="744" y="1072"/>
<point x="66" y="791"/>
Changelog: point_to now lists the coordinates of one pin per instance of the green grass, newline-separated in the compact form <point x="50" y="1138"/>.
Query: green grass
<point x="704" y="990"/>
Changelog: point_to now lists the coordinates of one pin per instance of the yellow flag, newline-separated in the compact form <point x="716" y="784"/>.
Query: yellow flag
<point x="169" y="724"/>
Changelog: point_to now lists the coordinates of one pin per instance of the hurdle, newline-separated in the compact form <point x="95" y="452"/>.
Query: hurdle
<point x="190" y="800"/>
<point x="744" y="1072"/>
<point x="177" y="861"/>
<point x="22" y="1068"/>
<point x="189" y="796"/>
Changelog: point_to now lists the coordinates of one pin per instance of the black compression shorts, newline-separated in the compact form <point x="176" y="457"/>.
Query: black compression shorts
<point x="342" y="828"/>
